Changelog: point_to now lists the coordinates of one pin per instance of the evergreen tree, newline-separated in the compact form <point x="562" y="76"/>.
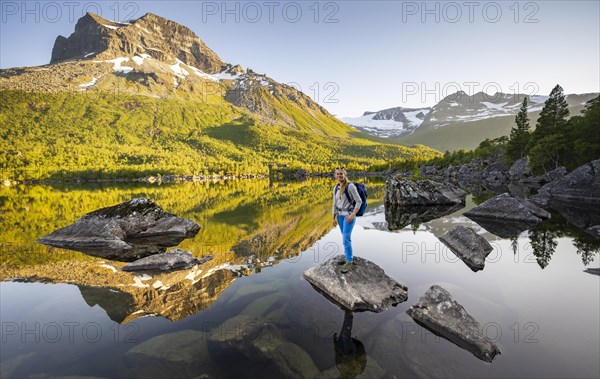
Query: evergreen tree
<point x="548" y="147"/>
<point x="519" y="136"/>
<point x="584" y="130"/>
<point x="555" y="114"/>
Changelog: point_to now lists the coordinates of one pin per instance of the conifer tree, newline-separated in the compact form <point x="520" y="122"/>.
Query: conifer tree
<point x="547" y="148"/>
<point x="519" y="136"/>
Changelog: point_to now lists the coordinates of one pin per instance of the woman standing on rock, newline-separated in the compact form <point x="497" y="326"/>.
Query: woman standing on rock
<point x="344" y="212"/>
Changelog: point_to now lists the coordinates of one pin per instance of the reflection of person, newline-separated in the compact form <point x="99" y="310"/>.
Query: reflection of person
<point x="350" y="354"/>
<point x="344" y="212"/>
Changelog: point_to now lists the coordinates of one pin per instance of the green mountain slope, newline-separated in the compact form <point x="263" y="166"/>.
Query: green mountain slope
<point x="88" y="135"/>
<point x="120" y="100"/>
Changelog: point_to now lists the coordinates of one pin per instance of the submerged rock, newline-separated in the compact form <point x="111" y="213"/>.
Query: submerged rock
<point x="421" y="192"/>
<point x="256" y="340"/>
<point x="126" y="232"/>
<point x="184" y="352"/>
<point x="365" y="287"/>
<point x="506" y="207"/>
<point x="438" y="312"/>
<point x="469" y="246"/>
<point x="175" y="259"/>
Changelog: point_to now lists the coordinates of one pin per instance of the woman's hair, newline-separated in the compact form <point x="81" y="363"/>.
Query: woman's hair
<point x="344" y="182"/>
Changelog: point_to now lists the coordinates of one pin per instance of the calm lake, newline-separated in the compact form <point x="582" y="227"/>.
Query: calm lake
<point x="67" y="314"/>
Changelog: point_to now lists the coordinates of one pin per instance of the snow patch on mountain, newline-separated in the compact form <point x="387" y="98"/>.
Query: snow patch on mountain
<point x="393" y="122"/>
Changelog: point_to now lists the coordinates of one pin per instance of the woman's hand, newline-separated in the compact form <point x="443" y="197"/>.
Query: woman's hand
<point x="349" y="218"/>
<point x="334" y="221"/>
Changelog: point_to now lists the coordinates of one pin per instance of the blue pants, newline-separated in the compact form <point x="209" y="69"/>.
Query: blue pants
<point x="346" y="229"/>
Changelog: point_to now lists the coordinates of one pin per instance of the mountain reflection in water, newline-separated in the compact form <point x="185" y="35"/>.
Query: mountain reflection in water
<point x="257" y="231"/>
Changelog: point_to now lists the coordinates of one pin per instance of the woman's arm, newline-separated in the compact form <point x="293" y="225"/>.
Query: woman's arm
<point x="358" y="201"/>
<point x="333" y="209"/>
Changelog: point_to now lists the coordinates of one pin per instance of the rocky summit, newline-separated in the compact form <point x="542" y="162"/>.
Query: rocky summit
<point x="150" y="34"/>
<point x="365" y="287"/>
<point x="157" y="57"/>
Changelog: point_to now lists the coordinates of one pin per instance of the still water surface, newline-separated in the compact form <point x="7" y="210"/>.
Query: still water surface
<point x="67" y="314"/>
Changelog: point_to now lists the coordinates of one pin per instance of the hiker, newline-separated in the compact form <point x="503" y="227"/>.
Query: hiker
<point x="344" y="212"/>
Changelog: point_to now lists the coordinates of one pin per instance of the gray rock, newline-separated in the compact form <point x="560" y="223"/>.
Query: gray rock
<point x="175" y="259"/>
<point x="438" y="312"/>
<point x="594" y="231"/>
<point x="593" y="271"/>
<point x="506" y="207"/>
<point x="256" y="339"/>
<point x="126" y="232"/>
<point x="469" y="246"/>
<point x="520" y="169"/>
<point x="365" y="287"/>
<point x="184" y="352"/>
<point x="421" y="192"/>
<point x="581" y="185"/>
<point x="555" y="174"/>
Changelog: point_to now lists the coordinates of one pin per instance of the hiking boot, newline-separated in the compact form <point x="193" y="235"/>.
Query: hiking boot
<point x="346" y="267"/>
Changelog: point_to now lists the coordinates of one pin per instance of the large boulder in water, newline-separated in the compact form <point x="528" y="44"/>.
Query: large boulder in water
<point x="581" y="185"/>
<point x="421" y="192"/>
<point x="506" y="207"/>
<point x="469" y="246"/>
<point x="126" y="232"/>
<point x="365" y="287"/>
<point x="438" y="312"/>
<point x="507" y="216"/>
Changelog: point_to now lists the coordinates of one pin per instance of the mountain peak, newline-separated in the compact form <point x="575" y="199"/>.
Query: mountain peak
<point x="163" y="39"/>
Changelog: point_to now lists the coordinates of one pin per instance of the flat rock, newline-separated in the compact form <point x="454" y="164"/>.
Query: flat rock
<point x="175" y="259"/>
<point x="438" y="312"/>
<point x="365" y="287"/>
<point x="127" y="231"/>
<point x="506" y="207"/>
<point x="469" y="246"/>
<point x="421" y="192"/>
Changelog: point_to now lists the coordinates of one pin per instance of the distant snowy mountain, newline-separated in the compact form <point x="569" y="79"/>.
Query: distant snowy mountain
<point x="458" y="108"/>
<point x="392" y="122"/>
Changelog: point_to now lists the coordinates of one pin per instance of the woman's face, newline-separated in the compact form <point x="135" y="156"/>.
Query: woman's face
<point x="339" y="176"/>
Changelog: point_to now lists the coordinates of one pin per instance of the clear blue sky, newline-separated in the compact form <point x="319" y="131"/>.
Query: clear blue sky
<point x="352" y="56"/>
